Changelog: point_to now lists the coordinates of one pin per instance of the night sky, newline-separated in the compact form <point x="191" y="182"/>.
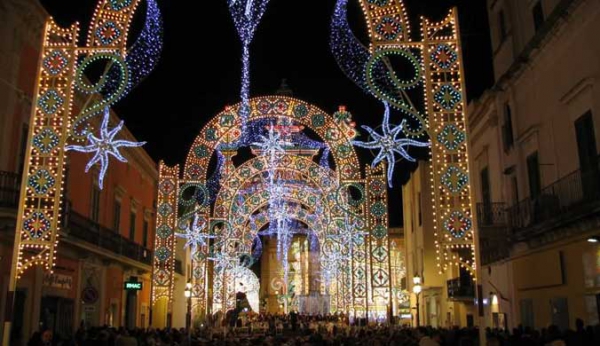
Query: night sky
<point x="199" y="72"/>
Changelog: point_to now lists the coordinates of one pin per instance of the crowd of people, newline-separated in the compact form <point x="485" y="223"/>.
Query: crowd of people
<point x="298" y="330"/>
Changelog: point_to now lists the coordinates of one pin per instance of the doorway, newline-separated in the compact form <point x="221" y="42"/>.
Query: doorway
<point x="131" y="309"/>
<point x="16" y="333"/>
<point x="56" y="314"/>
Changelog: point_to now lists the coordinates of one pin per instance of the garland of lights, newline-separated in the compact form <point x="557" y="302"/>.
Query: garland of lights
<point x="82" y="84"/>
<point x="371" y="72"/>
<point x="223" y="131"/>
<point x="391" y="89"/>
<point x="451" y="137"/>
<point x="223" y="261"/>
<point x="144" y="54"/>
<point x="457" y="224"/>
<point x="246" y="16"/>
<point x="349" y="52"/>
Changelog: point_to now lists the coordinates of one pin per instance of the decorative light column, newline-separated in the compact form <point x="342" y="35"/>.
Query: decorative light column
<point x="60" y="79"/>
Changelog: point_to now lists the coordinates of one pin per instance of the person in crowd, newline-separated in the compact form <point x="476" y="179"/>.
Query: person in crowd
<point x="319" y="330"/>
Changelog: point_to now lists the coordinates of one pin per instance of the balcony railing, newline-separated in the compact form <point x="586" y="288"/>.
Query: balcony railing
<point x="76" y="225"/>
<point x="10" y="186"/>
<point x="494" y="235"/>
<point x="574" y="195"/>
<point x="80" y="227"/>
<point x="571" y="197"/>
<point x="492" y="214"/>
<point x="461" y="289"/>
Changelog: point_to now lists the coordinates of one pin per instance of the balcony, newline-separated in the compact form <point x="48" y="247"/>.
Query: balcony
<point x="461" y="289"/>
<point x="10" y="186"/>
<point x="492" y="214"/>
<point x="76" y="225"/>
<point x="571" y="200"/>
<point x="574" y="196"/>
<point x="494" y="235"/>
<point x="79" y="227"/>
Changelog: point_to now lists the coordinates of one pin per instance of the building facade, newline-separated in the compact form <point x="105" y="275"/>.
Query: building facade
<point x="534" y="165"/>
<point x="107" y="235"/>
<point x="446" y="299"/>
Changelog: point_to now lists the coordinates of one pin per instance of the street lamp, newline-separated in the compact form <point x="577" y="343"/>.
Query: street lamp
<point x="188" y="318"/>
<point x="417" y="288"/>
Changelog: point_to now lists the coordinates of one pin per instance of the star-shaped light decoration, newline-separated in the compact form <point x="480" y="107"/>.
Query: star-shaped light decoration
<point x="389" y="144"/>
<point x="223" y="260"/>
<point x="277" y="190"/>
<point x="273" y="143"/>
<point x="194" y="236"/>
<point x="104" y="146"/>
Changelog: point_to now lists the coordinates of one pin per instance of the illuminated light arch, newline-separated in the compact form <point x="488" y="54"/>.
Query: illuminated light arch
<point x="244" y="220"/>
<point x="361" y="281"/>
<point x="241" y="236"/>
<point x="224" y="129"/>
<point x="254" y="226"/>
<point x="320" y="178"/>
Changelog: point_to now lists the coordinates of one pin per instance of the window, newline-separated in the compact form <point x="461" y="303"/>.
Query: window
<point x="465" y="277"/>
<point x="117" y="217"/>
<point x="470" y="320"/>
<point x="533" y="172"/>
<point x="486" y="196"/>
<point x="586" y="142"/>
<point x="538" y="15"/>
<point x="95" y="207"/>
<point x="145" y="234"/>
<point x="560" y="312"/>
<point x="514" y="185"/>
<point x="502" y="25"/>
<point x="507" y="128"/>
<point x="132" y="226"/>
<point x="588" y="155"/>
<point x="527" y="313"/>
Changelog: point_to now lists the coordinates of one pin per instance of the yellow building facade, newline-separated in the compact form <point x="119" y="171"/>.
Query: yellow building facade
<point x="446" y="299"/>
<point x="534" y="165"/>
